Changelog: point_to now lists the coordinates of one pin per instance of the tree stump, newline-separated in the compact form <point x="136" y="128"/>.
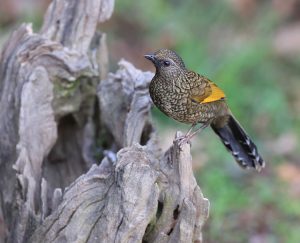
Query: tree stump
<point x="79" y="157"/>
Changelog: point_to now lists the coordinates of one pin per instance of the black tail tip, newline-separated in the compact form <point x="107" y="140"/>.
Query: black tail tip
<point x="257" y="164"/>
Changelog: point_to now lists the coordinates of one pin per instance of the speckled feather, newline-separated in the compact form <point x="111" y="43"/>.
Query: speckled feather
<point x="189" y="97"/>
<point x="173" y="93"/>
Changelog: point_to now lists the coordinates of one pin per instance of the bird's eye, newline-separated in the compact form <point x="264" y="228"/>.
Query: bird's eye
<point x="167" y="63"/>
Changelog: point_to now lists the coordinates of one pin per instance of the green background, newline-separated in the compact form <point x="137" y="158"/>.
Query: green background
<point x="248" y="48"/>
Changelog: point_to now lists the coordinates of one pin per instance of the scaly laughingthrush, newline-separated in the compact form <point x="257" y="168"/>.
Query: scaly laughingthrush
<point x="191" y="98"/>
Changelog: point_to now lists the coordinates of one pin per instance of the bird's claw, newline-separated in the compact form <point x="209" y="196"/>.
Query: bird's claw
<point x="182" y="140"/>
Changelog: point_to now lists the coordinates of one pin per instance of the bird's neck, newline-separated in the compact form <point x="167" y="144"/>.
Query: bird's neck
<point x="159" y="75"/>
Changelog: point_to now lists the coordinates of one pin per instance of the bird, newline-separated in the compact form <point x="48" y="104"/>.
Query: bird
<point x="191" y="98"/>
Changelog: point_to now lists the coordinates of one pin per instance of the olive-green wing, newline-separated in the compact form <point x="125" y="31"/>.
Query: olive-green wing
<point x="203" y="90"/>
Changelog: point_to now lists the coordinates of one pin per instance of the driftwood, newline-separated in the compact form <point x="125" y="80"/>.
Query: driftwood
<point x="80" y="160"/>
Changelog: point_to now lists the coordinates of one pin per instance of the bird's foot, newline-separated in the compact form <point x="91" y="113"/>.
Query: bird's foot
<point x="183" y="140"/>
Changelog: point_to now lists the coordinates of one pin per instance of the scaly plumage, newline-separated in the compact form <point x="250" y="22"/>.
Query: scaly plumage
<point x="191" y="98"/>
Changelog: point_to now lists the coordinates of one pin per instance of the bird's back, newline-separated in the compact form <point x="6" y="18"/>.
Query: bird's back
<point x="188" y="98"/>
<point x="191" y="98"/>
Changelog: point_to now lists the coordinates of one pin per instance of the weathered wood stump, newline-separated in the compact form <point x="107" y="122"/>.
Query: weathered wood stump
<point x="79" y="158"/>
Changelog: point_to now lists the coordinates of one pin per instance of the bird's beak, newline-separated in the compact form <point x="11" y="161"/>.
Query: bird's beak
<point x="150" y="57"/>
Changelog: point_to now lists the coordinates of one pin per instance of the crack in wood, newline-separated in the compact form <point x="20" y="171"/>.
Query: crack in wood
<point x="144" y="195"/>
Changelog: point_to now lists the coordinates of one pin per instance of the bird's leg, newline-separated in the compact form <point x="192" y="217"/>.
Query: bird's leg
<point x="187" y="137"/>
<point x="183" y="139"/>
<point x="190" y="130"/>
<point x="198" y="130"/>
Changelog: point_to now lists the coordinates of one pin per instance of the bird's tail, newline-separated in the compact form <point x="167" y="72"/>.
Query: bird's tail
<point x="239" y="144"/>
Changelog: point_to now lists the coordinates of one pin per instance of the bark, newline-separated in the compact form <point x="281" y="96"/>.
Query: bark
<point x="79" y="158"/>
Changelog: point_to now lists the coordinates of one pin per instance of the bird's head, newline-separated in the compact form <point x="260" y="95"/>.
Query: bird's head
<point x="167" y="63"/>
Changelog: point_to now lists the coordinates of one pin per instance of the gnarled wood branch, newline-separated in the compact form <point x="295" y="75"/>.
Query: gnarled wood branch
<point x="60" y="113"/>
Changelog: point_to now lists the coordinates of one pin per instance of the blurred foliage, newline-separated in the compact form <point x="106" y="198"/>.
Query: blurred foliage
<point x="236" y="51"/>
<point x="232" y="43"/>
<point x="212" y="40"/>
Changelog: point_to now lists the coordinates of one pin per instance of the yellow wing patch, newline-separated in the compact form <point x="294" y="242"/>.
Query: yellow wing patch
<point x="216" y="94"/>
<point x="212" y="93"/>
